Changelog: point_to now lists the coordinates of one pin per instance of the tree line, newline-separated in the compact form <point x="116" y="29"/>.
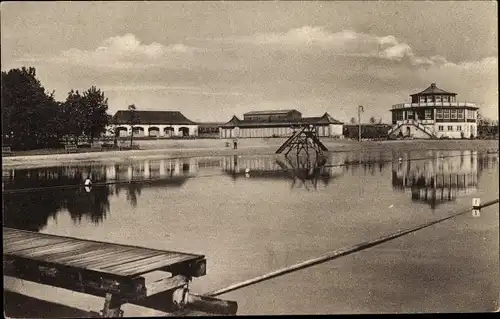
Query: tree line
<point x="33" y="119"/>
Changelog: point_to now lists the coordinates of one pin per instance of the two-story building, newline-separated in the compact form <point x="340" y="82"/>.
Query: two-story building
<point x="278" y="123"/>
<point x="434" y="113"/>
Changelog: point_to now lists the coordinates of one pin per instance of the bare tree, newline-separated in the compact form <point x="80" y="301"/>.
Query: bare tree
<point x="353" y="120"/>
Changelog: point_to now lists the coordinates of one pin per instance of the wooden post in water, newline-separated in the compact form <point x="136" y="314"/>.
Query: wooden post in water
<point x="112" y="305"/>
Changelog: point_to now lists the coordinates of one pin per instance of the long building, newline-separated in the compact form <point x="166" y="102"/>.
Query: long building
<point x="154" y="124"/>
<point x="278" y="123"/>
<point x="434" y="113"/>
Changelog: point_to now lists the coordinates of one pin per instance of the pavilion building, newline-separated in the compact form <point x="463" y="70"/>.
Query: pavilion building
<point x="154" y="124"/>
<point x="278" y="123"/>
<point x="434" y="113"/>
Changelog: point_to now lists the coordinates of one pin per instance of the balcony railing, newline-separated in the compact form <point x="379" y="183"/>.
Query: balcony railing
<point x="430" y="104"/>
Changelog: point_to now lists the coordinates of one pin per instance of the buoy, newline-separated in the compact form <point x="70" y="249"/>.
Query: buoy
<point x="247" y="170"/>
<point x="88" y="182"/>
<point x="400" y="159"/>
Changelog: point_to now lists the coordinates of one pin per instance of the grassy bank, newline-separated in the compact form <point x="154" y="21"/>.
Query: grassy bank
<point x="217" y="147"/>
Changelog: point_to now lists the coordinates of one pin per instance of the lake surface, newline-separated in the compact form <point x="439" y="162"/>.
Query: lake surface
<point x="250" y="215"/>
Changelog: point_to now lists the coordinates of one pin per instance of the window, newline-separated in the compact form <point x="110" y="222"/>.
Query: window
<point x="446" y="114"/>
<point x="422" y="99"/>
<point x="460" y="114"/>
<point x="440" y="128"/>
<point x="428" y="114"/>
<point x="450" y="128"/>
<point x="439" y="114"/>
<point x="445" y="99"/>
<point x="459" y="127"/>
<point x="409" y="115"/>
<point x="399" y="116"/>
<point x="429" y="99"/>
<point x="438" y="98"/>
<point x="453" y="114"/>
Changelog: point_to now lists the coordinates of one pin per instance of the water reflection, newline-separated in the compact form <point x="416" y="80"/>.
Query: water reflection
<point x="31" y="210"/>
<point x="440" y="178"/>
<point x="432" y="177"/>
<point x="301" y="170"/>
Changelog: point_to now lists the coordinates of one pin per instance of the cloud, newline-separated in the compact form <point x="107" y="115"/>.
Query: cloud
<point x="125" y="51"/>
<point x="345" y="42"/>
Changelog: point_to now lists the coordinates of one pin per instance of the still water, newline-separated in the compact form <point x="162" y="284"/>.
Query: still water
<point x="252" y="214"/>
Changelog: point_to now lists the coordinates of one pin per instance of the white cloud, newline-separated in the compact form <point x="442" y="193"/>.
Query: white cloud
<point x="345" y="42"/>
<point x="125" y="51"/>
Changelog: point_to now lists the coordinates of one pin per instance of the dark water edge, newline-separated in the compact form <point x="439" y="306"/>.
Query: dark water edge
<point x="20" y="306"/>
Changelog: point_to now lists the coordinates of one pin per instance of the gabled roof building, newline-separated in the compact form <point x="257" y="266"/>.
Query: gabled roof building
<point x="278" y="123"/>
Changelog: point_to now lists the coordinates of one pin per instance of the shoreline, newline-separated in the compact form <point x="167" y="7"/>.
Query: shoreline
<point x="256" y="147"/>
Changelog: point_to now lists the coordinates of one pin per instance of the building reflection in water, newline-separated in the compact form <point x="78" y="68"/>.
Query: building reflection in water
<point x="300" y="171"/>
<point x="440" y="177"/>
<point x="31" y="210"/>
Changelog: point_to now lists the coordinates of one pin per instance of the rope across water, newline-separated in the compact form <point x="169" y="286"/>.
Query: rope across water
<point x="337" y="253"/>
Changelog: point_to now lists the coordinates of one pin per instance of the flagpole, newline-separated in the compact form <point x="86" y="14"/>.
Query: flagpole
<point x="360" y="109"/>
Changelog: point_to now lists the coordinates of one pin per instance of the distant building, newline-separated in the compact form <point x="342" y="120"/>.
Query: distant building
<point x="368" y="130"/>
<point x="278" y="123"/>
<point x="434" y="113"/>
<point x="155" y="124"/>
<point x="209" y="129"/>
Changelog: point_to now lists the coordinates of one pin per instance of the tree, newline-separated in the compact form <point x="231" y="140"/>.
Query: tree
<point x="373" y="120"/>
<point x="96" y="116"/>
<point x="353" y="120"/>
<point x="74" y="115"/>
<point x="31" y="118"/>
<point x="132" y="121"/>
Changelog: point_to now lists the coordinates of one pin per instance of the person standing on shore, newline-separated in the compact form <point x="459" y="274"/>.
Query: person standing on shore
<point x="235" y="144"/>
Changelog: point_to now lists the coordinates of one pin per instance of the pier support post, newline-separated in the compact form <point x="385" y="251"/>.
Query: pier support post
<point x="112" y="305"/>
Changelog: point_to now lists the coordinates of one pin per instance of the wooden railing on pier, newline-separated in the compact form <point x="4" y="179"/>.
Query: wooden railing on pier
<point x="120" y="273"/>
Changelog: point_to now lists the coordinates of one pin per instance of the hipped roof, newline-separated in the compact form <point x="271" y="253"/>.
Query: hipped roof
<point x="271" y="112"/>
<point x="433" y="89"/>
<point x="153" y="117"/>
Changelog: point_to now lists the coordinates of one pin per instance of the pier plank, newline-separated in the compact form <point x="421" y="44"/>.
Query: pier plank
<point x="11" y="246"/>
<point x="87" y="255"/>
<point x="123" y="259"/>
<point x="40" y="251"/>
<point x="98" y="252"/>
<point x="89" y="251"/>
<point x="146" y="265"/>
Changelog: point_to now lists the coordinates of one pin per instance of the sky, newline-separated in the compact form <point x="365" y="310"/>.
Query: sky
<point x="213" y="60"/>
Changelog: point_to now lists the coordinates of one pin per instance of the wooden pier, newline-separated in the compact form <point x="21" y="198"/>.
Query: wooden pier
<point x="119" y="273"/>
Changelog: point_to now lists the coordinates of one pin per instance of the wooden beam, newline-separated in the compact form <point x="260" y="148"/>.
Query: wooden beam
<point x="72" y="279"/>
<point x="160" y="281"/>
